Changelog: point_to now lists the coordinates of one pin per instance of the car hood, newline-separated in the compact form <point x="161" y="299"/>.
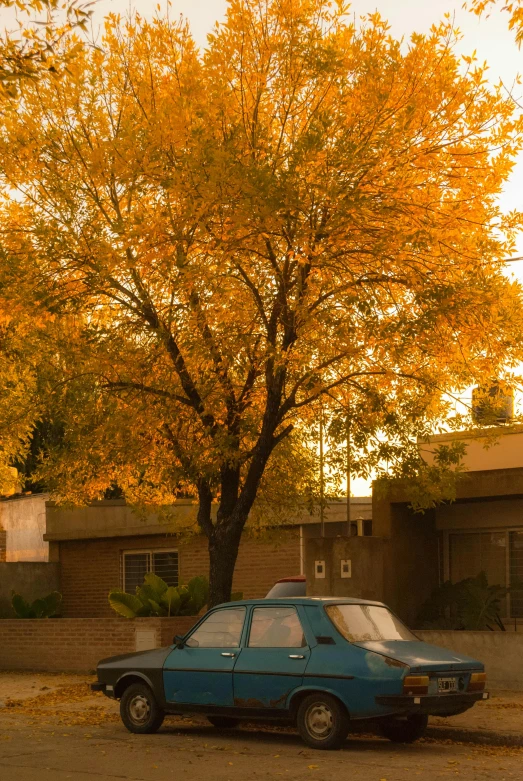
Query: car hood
<point x="139" y="660"/>
<point x="422" y="657"/>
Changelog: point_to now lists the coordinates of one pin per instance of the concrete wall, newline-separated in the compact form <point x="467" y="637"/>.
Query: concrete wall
<point x="412" y="566"/>
<point x="23" y="520"/>
<point x="77" y="645"/>
<point x="366" y="556"/>
<point x="113" y="518"/>
<point x="482" y="450"/>
<point x="30" y="579"/>
<point x="400" y="570"/>
<point x="500" y="652"/>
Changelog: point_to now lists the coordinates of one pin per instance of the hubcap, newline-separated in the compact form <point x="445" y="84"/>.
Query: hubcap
<point x="139" y="709"/>
<point x="319" y="721"/>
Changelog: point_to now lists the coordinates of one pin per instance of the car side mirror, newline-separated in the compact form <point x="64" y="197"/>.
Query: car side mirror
<point x="178" y="641"/>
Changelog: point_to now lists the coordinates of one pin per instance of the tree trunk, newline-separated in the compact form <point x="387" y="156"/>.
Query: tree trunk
<point x="235" y="505"/>
<point x="224" y="542"/>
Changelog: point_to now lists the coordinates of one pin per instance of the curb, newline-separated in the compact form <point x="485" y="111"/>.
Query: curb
<point x="475" y="736"/>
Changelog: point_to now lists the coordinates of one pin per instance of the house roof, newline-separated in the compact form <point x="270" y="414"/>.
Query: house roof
<point x="113" y="518"/>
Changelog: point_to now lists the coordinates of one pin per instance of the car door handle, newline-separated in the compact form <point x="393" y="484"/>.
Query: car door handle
<point x="230" y="656"/>
<point x="296" y="656"/>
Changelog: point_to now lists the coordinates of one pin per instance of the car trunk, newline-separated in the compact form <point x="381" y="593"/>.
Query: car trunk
<point x="422" y="657"/>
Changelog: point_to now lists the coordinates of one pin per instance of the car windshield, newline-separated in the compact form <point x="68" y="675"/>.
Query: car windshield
<point x="367" y="623"/>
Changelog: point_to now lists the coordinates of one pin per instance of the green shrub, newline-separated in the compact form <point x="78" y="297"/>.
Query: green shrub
<point x="40" y="608"/>
<point x="156" y="598"/>
<point x="469" y="604"/>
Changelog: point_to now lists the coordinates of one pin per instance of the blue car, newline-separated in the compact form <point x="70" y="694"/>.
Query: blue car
<point x="320" y="664"/>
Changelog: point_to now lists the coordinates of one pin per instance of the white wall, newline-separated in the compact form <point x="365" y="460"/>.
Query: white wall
<point x="23" y="518"/>
<point x="483" y="452"/>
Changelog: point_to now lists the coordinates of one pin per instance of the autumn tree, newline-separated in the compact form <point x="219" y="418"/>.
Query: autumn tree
<point x="35" y="47"/>
<point x="215" y="243"/>
<point x="514" y="8"/>
<point x="27" y="53"/>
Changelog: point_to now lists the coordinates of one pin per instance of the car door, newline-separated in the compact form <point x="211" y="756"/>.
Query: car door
<point x="200" y="673"/>
<point x="273" y="660"/>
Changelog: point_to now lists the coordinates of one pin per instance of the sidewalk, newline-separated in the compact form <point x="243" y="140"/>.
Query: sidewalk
<point x="497" y="721"/>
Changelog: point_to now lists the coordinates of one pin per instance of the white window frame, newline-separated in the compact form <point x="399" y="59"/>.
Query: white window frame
<point x="506" y="530"/>
<point x="149" y="552"/>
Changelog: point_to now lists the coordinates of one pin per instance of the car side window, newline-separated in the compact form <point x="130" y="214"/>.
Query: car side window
<point x="276" y="627"/>
<point x="222" y="629"/>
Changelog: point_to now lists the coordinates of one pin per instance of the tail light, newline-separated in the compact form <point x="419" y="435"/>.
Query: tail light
<point x="477" y="682"/>
<point x="416" y="685"/>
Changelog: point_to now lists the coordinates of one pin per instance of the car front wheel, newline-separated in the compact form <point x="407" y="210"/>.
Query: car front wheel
<point x="405" y="730"/>
<point x="322" y="721"/>
<point x="139" y="710"/>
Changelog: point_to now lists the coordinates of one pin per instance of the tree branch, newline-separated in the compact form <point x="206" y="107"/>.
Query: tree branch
<point x="147" y="389"/>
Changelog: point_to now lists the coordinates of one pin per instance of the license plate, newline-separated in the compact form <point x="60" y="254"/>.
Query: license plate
<point x="447" y="685"/>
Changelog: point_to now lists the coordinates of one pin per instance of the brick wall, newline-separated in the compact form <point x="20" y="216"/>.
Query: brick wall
<point x="91" y="568"/>
<point x="78" y="644"/>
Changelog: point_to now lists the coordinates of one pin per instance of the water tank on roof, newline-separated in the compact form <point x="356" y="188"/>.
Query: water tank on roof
<point x="493" y="405"/>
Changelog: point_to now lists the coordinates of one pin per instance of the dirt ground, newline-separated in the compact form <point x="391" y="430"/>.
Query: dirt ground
<point x="52" y="728"/>
<point x="21" y="685"/>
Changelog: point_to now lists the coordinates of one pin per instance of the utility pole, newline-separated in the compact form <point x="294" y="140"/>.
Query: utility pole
<point x="348" y="470"/>
<point x="322" y="488"/>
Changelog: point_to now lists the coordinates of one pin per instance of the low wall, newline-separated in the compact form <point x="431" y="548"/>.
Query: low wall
<point x="78" y="644"/>
<point x="500" y="652"/>
<point x="31" y="579"/>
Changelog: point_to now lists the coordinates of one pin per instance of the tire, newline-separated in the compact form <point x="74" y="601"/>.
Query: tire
<point x="223" y="722"/>
<point x="139" y="710"/>
<point x="322" y="721"/>
<point x="405" y="730"/>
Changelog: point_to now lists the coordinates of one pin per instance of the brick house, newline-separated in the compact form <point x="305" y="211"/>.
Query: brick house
<point x="106" y="545"/>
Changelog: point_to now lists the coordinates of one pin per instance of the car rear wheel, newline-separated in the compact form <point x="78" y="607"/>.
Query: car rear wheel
<point x="405" y="730"/>
<point x="322" y="721"/>
<point x="139" y="710"/>
<point x="223" y="722"/>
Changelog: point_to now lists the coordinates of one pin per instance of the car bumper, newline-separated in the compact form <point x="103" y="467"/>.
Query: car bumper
<point x="432" y="705"/>
<point x="106" y="688"/>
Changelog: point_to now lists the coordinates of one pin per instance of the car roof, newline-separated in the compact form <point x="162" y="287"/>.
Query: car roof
<point x="303" y="601"/>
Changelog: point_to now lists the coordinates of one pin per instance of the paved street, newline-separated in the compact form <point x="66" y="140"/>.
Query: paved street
<point x="31" y="751"/>
<point x="53" y="728"/>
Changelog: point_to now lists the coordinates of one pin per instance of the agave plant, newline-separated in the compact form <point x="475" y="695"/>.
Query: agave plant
<point x="470" y="604"/>
<point x="155" y="598"/>
<point x="40" y="608"/>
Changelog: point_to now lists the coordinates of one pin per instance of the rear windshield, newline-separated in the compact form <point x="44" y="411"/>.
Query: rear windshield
<point x="292" y="588"/>
<point x="367" y="623"/>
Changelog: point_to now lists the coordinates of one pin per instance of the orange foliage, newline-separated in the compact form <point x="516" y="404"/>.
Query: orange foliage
<point x="303" y="210"/>
<point x="513" y="7"/>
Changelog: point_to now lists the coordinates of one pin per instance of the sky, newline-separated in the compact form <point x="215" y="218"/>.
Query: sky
<point x="489" y="37"/>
